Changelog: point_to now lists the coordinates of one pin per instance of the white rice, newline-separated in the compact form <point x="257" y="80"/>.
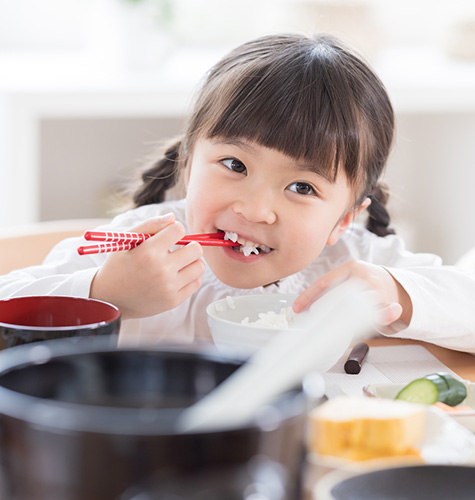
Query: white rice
<point x="271" y="319"/>
<point x="219" y="307"/>
<point x="230" y="302"/>
<point x="247" y="250"/>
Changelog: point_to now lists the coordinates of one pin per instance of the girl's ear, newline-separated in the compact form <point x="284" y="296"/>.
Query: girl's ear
<point x="342" y="226"/>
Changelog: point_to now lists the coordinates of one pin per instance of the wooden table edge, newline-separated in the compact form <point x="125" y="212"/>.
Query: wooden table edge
<point x="462" y="363"/>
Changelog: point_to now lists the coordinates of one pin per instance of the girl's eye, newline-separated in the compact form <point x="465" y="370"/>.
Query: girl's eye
<point x="234" y="165"/>
<point x="303" y="188"/>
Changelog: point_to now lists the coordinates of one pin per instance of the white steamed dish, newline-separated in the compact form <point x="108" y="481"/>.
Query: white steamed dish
<point x="241" y="325"/>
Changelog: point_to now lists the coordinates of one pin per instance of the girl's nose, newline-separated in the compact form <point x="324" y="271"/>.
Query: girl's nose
<point x="256" y="207"/>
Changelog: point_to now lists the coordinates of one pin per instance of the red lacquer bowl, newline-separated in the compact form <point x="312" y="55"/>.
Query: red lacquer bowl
<point x="34" y="318"/>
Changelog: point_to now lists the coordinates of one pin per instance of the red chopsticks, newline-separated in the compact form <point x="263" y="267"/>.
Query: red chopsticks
<point x="116" y="242"/>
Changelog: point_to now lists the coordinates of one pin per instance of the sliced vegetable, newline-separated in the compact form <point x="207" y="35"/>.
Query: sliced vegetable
<point x="457" y="390"/>
<point x="432" y="388"/>
<point x="422" y="390"/>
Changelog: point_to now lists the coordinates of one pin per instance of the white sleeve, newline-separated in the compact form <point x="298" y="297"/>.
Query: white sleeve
<point x="443" y="297"/>
<point x="443" y="306"/>
<point x="64" y="271"/>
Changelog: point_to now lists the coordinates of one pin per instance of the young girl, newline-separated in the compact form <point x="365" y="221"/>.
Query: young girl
<point x="285" y="145"/>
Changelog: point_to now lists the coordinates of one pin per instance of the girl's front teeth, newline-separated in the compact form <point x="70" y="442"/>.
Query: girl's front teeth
<point x="247" y="247"/>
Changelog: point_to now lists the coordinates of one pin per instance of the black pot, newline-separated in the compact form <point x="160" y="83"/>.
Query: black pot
<point x="81" y="422"/>
<point x="417" y="482"/>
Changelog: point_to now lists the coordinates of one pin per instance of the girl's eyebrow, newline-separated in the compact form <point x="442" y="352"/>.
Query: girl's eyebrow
<point x="305" y="166"/>
<point x="325" y="174"/>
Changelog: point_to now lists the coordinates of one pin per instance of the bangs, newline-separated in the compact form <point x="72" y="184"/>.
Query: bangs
<point x="294" y="107"/>
<point x="311" y="99"/>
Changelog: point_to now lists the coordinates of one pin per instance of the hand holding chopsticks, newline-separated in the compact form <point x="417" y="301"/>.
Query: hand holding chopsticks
<point x="116" y="241"/>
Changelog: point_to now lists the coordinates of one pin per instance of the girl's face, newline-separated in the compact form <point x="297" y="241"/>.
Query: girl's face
<point x="279" y="207"/>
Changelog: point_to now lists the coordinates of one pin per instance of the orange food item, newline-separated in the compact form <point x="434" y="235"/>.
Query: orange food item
<point x="452" y="409"/>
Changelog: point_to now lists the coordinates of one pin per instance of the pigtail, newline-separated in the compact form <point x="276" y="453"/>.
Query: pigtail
<point x="158" y="178"/>
<point x="379" y="220"/>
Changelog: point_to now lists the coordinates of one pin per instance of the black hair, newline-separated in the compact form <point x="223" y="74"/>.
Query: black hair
<point x="312" y="99"/>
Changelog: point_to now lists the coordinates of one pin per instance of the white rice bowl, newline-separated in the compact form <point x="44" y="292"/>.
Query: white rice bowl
<point x="241" y="325"/>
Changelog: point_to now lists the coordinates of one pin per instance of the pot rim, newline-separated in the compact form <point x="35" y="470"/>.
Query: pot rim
<point x="114" y="310"/>
<point x="59" y="416"/>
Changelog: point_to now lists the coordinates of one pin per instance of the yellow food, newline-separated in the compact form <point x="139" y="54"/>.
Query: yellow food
<point x="366" y="428"/>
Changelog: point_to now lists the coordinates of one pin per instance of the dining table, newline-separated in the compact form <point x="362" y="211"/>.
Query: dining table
<point x="462" y="363"/>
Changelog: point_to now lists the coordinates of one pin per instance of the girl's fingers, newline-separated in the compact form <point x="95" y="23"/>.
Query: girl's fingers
<point x="165" y="233"/>
<point x="190" y="272"/>
<point x="382" y="289"/>
<point x="189" y="289"/>
<point x="186" y="255"/>
<point x="318" y="288"/>
<point x="155" y="224"/>
<point x="389" y="313"/>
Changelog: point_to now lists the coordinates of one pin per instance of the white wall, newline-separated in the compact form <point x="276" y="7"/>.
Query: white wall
<point x="81" y="158"/>
<point x="85" y="161"/>
<point x="431" y="174"/>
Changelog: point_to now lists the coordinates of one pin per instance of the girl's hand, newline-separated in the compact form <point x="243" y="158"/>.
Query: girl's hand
<point x="150" y="279"/>
<point x="394" y="301"/>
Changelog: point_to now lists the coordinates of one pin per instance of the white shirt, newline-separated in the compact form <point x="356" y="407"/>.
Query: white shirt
<point x="442" y="296"/>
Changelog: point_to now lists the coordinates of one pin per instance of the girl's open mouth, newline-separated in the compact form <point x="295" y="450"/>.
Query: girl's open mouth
<point x="247" y="247"/>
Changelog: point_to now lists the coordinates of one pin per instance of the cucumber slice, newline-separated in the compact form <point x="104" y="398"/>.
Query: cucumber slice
<point x="422" y="391"/>
<point x="441" y="383"/>
<point x="432" y="388"/>
<point x="457" y="390"/>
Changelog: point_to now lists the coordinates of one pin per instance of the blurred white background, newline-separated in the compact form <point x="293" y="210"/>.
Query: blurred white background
<point x="88" y="87"/>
